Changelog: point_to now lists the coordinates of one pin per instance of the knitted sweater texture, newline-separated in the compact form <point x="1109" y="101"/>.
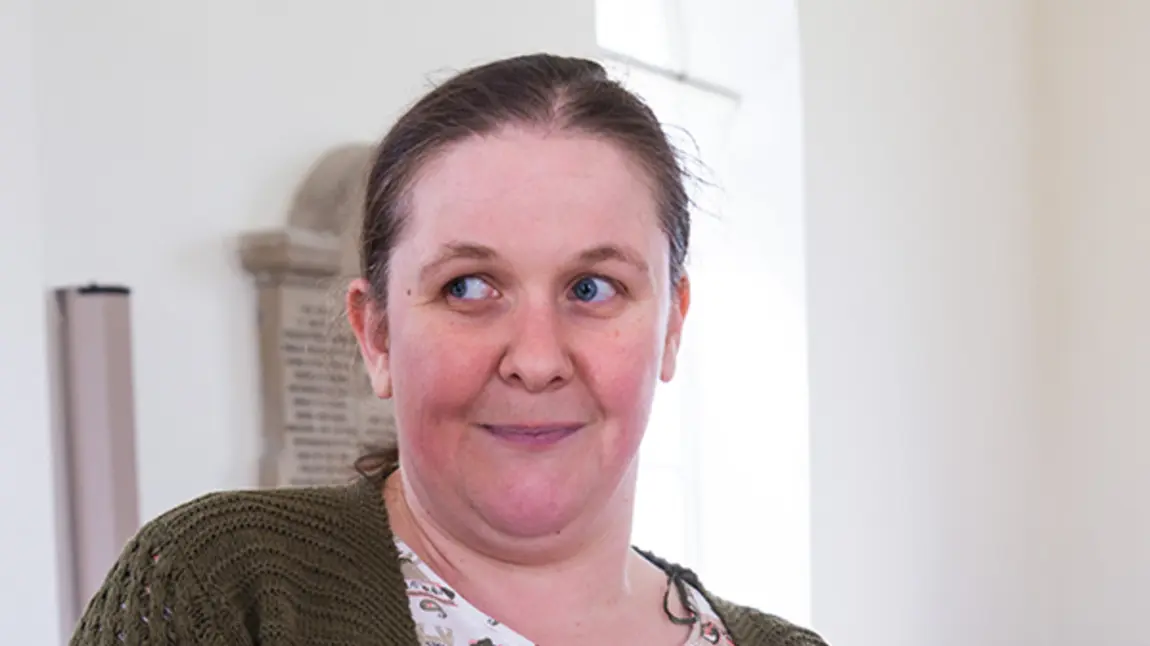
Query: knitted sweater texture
<point x="300" y="567"/>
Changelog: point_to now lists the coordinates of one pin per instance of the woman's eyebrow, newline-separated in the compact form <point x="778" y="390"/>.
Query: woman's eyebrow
<point x="614" y="252"/>
<point x="472" y="251"/>
<point x="455" y="251"/>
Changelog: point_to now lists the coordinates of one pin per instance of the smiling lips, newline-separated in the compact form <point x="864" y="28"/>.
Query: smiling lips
<point x="532" y="435"/>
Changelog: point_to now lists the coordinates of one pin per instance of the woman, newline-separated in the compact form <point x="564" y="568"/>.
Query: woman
<point x="522" y="291"/>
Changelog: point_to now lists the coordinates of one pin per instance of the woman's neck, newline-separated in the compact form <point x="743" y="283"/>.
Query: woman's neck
<point x="590" y="580"/>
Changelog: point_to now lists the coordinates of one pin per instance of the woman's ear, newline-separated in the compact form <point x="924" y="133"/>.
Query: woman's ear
<point x="680" y="303"/>
<point x="368" y="320"/>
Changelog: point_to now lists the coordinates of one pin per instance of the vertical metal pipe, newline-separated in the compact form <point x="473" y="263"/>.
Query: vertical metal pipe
<point x="98" y="427"/>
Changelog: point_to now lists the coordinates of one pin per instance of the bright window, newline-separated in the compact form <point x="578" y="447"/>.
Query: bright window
<point x="724" y="478"/>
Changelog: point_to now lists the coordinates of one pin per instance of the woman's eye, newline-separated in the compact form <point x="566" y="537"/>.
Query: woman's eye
<point x="592" y="289"/>
<point x="470" y="288"/>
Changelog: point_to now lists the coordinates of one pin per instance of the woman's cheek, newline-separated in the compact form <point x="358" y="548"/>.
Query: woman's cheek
<point x="437" y="369"/>
<point x="439" y="374"/>
<point x="624" y="371"/>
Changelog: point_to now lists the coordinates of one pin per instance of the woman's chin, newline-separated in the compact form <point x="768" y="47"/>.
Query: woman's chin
<point x="533" y="509"/>
<point x="529" y="525"/>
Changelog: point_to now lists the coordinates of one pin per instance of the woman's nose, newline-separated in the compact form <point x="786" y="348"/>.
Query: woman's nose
<point x="537" y="357"/>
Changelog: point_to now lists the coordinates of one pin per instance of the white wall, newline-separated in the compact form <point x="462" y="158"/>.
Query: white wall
<point x="979" y="227"/>
<point x="140" y="139"/>
<point x="1094" y="107"/>
<point x="28" y="569"/>
<point x="166" y="130"/>
<point x="921" y="322"/>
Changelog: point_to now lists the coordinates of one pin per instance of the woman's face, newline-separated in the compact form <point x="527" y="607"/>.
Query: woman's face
<point x="529" y="318"/>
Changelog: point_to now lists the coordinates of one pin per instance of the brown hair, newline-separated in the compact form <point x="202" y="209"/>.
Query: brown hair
<point x="540" y="90"/>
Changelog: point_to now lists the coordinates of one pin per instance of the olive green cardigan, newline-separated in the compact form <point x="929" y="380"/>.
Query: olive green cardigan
<point x="289" y="566"/>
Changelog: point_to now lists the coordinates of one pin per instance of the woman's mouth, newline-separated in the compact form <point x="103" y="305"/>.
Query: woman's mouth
<point x="532" y="435"/>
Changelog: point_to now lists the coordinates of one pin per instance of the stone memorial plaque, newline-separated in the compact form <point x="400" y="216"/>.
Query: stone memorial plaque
<point x="319" y="412"/>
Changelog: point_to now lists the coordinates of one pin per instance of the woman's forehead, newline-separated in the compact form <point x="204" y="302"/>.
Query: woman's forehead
<point x="551" y="189"/>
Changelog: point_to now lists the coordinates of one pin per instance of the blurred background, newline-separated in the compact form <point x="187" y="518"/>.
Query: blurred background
<point x="915" y="401"/>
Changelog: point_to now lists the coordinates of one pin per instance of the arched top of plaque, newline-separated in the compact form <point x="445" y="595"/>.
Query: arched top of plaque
<point x="330" y="199"/>
<point x="323" y="223"/>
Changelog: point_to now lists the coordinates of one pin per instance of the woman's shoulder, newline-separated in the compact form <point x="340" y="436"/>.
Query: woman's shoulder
<point x="747" y="626"/>
<point x="258" y="526"/>
<point x="201" y="565"/>
<point x="752" y="627"/>
<point x="252" y="512"/>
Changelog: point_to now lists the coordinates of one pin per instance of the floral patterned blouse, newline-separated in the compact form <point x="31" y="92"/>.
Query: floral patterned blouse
<point x="443" y="618"/>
